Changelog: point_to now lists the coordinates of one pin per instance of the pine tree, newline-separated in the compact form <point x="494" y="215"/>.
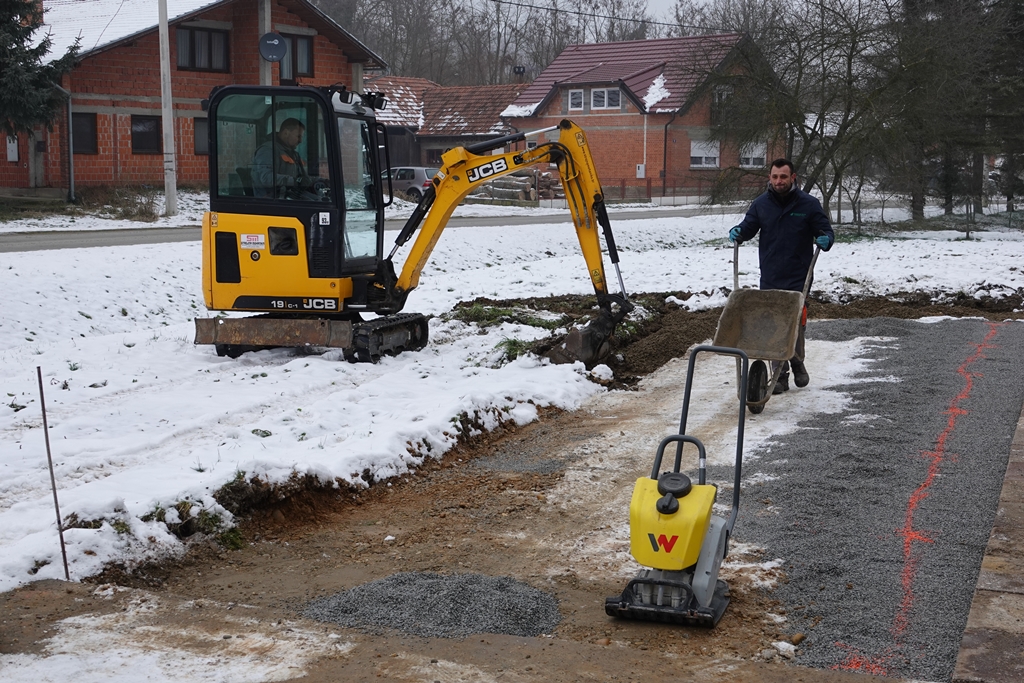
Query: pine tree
<point x="28" y="96"/>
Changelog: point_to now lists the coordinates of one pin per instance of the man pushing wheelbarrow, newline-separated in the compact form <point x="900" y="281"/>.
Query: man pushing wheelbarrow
<point x="791" y="223"/>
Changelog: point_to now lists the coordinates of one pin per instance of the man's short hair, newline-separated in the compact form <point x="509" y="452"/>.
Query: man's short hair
<point x="780" y="162"/>
<point x="292" y="124"/>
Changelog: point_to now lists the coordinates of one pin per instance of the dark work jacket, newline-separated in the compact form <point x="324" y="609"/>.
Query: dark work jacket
<point x="788" y="226"/>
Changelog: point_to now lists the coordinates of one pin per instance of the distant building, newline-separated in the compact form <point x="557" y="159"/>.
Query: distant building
<point x="115" y="86"/>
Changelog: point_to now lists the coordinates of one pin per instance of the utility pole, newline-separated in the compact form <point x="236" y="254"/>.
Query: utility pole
<point x="170" y="171"/>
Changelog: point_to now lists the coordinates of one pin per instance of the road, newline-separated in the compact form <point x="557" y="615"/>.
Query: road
<point x="75" y="239"/>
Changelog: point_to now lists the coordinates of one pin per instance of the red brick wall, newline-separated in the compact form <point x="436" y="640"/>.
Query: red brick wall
<point x="14" y="173"/>
<point x="125" y="80"/>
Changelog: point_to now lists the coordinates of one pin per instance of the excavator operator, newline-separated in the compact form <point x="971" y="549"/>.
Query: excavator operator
<point x="277" y="168"/>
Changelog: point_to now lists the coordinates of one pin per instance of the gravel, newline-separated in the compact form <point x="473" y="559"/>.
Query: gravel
<point x="843" y="489"/>
<point x="441" y="606"/>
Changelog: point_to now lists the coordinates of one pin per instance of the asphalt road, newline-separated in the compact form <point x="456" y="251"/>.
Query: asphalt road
<point x="76" y="239"/>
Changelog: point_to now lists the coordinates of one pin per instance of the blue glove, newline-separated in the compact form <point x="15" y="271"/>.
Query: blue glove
<point x="823" y="241"/>
<point x="734" y="235"/>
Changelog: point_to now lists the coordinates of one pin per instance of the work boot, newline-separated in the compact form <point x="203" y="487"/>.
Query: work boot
<point x="782" y="385"/>
<point x="800" y="376"/>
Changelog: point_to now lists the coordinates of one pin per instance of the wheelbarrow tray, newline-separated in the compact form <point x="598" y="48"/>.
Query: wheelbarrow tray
<point x="764" y="323"/>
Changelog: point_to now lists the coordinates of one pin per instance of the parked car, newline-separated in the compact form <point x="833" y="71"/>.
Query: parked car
<point x="410" y="180"/>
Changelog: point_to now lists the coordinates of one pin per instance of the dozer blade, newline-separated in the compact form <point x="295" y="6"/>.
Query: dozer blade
<point x="263" y="331"/>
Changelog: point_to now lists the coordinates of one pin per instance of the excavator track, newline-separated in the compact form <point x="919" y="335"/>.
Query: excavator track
<point x="387" y="336"/>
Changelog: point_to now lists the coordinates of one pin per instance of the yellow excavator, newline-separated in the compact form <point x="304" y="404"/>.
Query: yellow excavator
<point x="295" y="230"/>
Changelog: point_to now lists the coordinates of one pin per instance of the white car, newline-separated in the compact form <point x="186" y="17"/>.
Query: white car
<point x="410" y="180"/>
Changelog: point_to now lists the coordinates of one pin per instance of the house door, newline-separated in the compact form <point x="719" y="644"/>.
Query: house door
<point x="36" y="159"/>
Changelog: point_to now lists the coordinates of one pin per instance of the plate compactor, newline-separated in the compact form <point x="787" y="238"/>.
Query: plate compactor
<point x="672" y="530"/>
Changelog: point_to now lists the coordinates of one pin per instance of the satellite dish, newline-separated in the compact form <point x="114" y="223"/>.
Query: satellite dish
<point x="273" y="47"/>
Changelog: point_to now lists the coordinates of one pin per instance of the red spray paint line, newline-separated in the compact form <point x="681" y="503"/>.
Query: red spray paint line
<point x="856" y="661"/>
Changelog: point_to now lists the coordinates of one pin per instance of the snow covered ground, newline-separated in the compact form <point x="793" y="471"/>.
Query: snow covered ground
<point x="140" y="419"/>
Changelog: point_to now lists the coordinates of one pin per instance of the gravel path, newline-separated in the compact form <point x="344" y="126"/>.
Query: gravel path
<point x="882" y="513"/>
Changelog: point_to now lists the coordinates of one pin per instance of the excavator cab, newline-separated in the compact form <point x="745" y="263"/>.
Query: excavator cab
<point x="295" y="191"/>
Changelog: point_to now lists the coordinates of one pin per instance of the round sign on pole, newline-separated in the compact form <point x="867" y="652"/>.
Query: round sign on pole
<point x="273" y="47"/>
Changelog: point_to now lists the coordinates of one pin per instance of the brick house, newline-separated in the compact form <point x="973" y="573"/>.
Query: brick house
<point x="464" y="115"/>
<point x="403" y="117"/>
<point x="647" y="109"/>
<point x="115" y="85"/>
<point x="424" y="119"/>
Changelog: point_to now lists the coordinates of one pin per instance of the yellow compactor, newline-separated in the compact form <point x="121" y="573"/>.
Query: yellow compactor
<point x="673" y="533"/>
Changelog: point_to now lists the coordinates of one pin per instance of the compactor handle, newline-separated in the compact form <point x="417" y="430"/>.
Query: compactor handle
<point x="744" y="362"/>
<point x="681" y="439"/>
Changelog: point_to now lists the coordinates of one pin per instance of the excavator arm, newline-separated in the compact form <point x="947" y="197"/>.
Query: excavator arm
<point x="463" y="169"/>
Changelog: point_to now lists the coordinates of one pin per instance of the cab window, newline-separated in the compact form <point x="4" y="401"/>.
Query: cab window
<point x="272" y="147"/>
<point x="361" y="200"/>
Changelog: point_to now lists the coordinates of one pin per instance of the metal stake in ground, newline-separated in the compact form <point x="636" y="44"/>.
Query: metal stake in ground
<point x="53" y="480"/>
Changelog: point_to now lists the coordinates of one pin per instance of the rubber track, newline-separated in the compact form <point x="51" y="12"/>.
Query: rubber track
<point x="368" y="338"/>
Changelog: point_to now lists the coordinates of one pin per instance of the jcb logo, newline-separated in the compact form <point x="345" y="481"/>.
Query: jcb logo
<point x="320" y="304"/>
<point x="486" y="170"/>
<point x="663" y="541"/>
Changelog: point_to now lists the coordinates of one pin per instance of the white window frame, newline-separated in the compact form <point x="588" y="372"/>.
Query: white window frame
<point x="754" y="155"/>
<point x="12" y="148"/>
<point x="576" y="92"/>
<point x="704" y="154"/>
<point x="605" y="92"/>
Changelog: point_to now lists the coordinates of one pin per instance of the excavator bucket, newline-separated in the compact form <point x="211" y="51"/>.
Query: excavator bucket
<point x="591" y="343"/>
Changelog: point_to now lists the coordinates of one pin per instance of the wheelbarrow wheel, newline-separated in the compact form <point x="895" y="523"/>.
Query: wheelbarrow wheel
<point x="757" y="386"/>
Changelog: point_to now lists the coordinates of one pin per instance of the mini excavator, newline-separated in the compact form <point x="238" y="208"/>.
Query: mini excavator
<point x="295" y="231"/>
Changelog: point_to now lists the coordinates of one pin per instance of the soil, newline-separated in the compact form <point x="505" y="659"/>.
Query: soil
<point x="537" y="503"/>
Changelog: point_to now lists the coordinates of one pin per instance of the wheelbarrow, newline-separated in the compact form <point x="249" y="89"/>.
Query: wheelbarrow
<point x="765" y="324"/>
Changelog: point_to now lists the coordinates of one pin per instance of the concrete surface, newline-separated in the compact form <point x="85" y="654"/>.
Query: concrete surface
<point x="992" y="647"/>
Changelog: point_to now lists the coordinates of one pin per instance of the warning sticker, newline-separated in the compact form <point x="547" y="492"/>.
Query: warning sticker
<point x="254" y="242"/>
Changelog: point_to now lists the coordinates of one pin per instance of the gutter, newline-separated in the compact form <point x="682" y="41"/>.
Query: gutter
<point x="71" y="147"/>
<point x="664" y="154"/>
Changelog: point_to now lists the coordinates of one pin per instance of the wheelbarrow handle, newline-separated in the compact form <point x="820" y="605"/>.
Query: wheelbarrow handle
<point x="810" y="273"/>
<point x="736" y="266"/>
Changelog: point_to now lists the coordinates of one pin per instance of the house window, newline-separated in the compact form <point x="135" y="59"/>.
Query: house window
<point x="12" y="148"/>
<point x="575" y="100"/>
<point x="718" y="103"/>
<point x="202" y="49"/>
<point x="753" y="155"/>
<point x="146" y="135"/>
<point x="298" y="60"/>
<point x="83" y="133"/>
<point x="703" y="154"/>
<point x="609" y="98"/>
<point x="201" y="135"/>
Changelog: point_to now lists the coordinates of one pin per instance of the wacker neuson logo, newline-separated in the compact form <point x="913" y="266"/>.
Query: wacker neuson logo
<point x="663" y="541"/>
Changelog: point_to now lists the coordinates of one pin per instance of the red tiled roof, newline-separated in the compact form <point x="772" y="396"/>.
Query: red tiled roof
<point x="468" y="110"/>
<point x="405" y="99"/>
<point x="681" y="64"/>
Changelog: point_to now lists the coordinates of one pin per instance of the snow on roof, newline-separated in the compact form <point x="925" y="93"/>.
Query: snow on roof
<point x="101" y="22"/>
<point x="405" y="98"/>
<point x="681" y="64"/>
<point x="656" y="92"/>
<point x="468" y="110"/>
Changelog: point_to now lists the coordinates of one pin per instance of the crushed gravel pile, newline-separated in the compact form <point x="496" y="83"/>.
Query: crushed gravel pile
<point x="441" y="606"/>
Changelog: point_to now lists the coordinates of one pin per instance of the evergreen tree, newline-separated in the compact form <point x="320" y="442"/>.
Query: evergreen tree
<point x="28" y="96"/>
